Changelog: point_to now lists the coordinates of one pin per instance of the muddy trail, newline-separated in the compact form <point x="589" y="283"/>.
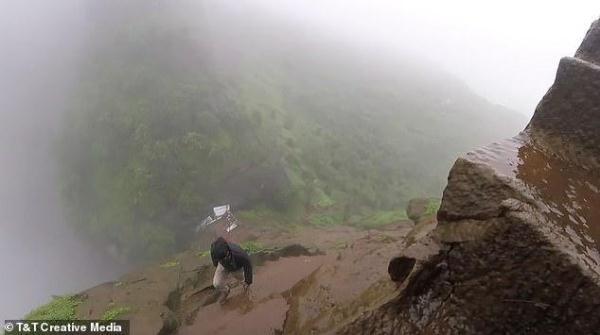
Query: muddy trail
<point x="312" y="280"/>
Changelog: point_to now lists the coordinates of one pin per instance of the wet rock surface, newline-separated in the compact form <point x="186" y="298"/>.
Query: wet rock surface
<point x="516" y="248"/>
<point x="313" y="280"/>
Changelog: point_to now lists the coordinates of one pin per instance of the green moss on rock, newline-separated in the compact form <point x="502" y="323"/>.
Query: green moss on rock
<point x="60" y="308"/>
<point x="115" y="313"/>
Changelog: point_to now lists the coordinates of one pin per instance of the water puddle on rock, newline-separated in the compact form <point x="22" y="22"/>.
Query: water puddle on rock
<point x="503" y="156"/>
<point x="570" y="193"/>
<point x="306" y="294"/>
<point x="261" y="311"/>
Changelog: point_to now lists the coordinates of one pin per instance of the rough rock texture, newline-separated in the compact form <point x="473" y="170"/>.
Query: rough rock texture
<point x="589" y="50"/>
<point x="516" y="247"/>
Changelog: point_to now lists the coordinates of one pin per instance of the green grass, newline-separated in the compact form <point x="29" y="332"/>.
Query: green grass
<point x="204" y="253"/>
<point x="253" y="247"/>
<point x="262" y="216"/>
<point x="433" y="207"/>
<point x="381" y="218"/>
<point x="60" y="308"/>
<point x="326" y="219"/>
<point x="169" y="264"/>
<point x="253" y="215"/>
<point x="115" y="312"/>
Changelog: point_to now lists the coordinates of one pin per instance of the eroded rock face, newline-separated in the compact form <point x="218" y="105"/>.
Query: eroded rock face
<point x="516" y="249"/>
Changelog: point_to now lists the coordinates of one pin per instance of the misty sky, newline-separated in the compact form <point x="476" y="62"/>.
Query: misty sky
<point x="507" y="51"/>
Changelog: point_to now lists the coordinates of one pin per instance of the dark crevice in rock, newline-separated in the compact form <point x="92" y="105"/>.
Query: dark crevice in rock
<point x="293" y="250"/>
<point x="173" y="303"/>
<point x="400" y="267"/>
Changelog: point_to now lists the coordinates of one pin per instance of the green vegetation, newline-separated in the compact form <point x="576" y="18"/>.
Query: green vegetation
<point x="268" y="217"/>
<point x="368" y="219"/>
<point x="169" y="264"/>
<point x="170" y="117"/>
<point x="252" y="247"/>
<point x="321" y="199"/>
<point x="382" y="218"/>
<point x="60" y="308"/>
<point x="115" y="313"/>
<point x="326" y="219"/>
<point x="433" y="207"/>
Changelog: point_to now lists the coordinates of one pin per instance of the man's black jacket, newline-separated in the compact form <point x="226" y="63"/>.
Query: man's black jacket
<point x="238" y="259"/>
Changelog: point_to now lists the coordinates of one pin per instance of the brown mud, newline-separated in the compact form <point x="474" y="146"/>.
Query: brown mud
<point x="261" y="310"/>
<point x="308" y="294"/>
<point x="311" y="280"/>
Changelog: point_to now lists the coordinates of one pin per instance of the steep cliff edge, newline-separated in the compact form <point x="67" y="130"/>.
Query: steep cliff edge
<point x="516" y="247"/>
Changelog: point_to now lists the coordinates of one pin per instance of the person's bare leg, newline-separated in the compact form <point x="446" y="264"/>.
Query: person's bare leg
<point x="220" y="282"/>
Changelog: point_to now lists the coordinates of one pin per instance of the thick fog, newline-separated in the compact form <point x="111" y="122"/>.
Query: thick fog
<point x="507" y="51"/>
<point x="39" y="253"/>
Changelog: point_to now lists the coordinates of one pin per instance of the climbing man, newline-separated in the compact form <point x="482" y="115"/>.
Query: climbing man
<point x="229" y="259"/>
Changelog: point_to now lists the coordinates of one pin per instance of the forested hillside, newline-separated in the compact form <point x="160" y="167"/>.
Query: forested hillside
<point x="184" y="105"/>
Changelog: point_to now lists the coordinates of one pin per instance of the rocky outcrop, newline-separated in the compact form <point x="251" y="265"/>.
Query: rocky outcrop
<point x="516" y="248"/>
<point x="417" y="208"/>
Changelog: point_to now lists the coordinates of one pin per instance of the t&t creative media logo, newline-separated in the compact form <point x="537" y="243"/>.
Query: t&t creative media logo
<point x="66" y="327"/>
<point x="9" y="327"/>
